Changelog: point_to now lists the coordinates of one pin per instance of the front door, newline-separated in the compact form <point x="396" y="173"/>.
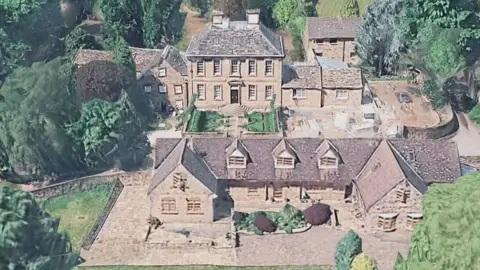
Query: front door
<point x="234" y="94"/>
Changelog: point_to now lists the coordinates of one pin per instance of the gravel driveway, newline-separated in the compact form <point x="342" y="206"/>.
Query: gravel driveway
<point x="314" y="247"/>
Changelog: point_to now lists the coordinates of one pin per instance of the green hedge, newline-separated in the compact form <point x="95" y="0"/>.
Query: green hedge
<point x="287" y="219"/>
<point x="204" y="121"/>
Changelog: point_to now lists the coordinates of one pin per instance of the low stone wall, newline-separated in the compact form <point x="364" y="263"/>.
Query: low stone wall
<point x="438" y="132"/>
<point x="471" y="160"/>
<point x="118" y="179"/>
<point x="298" y="230"/>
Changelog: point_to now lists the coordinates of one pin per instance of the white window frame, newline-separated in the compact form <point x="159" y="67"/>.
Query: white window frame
<point x="162" y="89"/>
<point x="162" y="72"/>
<point x="201" y="68"/>
<point x="220" y="94"/>
<point x="201" y="91"/>
<point x="215" y="66"/>
<point x="253" y="71"/>
<point x="179" y="101"/>
<point x="341" y="94"/>
<point x="147" y="88"/>
<point x="267" y="96"/>
<point x="237" y="66"/>
<point x="252" y="88"/>
<point x="269" y="65"/>
<point x="299" y="93"/>
<point x="177" y="87"/>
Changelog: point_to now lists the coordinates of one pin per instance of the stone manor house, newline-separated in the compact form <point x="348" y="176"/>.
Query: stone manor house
<point x="241" y="62"/>
<point x="383" y="180"/>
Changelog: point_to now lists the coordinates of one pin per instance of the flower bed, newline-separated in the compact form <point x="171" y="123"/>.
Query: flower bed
<point x="288" y="220"/>
<point x="205" y="121"/>
<point x="262" y="122"/>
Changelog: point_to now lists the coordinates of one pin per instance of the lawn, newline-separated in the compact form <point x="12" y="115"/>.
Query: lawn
<point x="205" y="121"/>
<point x="202" y="267"/>
<point x="332" y="8"/>
<point x="78" y="210"/>
<point x="8" y="184"/>
<point x="261" y="121"/>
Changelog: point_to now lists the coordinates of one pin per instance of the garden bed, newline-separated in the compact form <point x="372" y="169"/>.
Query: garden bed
<point x="78" y="211"/>
<point x="206" y="121"/>
<point x="262" y="122"/>
<point x="288" y="220"/>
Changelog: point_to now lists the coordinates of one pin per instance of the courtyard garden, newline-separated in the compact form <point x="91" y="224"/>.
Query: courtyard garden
<point x="78" y="210"/>
<point x="262" y="121"/>
<point x="206" y="121"/>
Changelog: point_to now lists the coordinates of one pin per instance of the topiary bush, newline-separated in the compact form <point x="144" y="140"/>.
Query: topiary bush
<point x="347" y="248"/>
<point x="264" y="224"/>
<point x="317" y="214"/>
<point x="363" y="262"/>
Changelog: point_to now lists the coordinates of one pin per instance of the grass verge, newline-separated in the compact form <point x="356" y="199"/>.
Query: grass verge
<point x="206" y="267"/>
<point x="78" y="210"/>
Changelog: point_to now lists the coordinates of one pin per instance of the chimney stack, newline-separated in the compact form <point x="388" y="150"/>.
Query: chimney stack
<point x="253" y="16"/>
<point x="217" y="17"/>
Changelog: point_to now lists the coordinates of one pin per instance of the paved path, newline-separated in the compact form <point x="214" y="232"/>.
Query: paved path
<point x="468" y="137"/>
<point x="314" y="247"/>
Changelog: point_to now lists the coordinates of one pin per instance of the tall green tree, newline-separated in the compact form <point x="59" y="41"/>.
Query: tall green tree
<point x="378" y="43"/>
<point x="159" y="19"/>
<point x="447" y="238"/>
<point x="37" y="102"/>
<point x="347" y="248"/>
<point x="122" y="18"/>
<point x="29" y="237"/>
<point x="80" y="39"/>
<point x="111" y="133"/>
<point x="351" y="9"/>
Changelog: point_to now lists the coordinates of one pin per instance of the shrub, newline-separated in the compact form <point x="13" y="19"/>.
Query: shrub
<point x="264" y="224"/>
<point x="398" y="262"/>
<point x="289" y="212"/>
<point x="363" y="262"/>
<point x="474" y="114"/>
<point x="347" y="248"/>
<point x="317" y="214"/>
<point x="239" y="217"/>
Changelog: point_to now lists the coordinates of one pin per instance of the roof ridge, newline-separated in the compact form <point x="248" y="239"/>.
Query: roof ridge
<point x="151" y="188"/>
<point x="263" y="28"/>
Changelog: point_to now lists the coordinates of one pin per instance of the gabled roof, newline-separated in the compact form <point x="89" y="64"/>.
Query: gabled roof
<point x="321" y="27"/>
<point x="354" y="152"/>
<point x="284" y="146"/>
<point x="345" y="78"/>
<point x="184" y="154"/>
<point x="306" y="76"/>
<point x="237" y="145"/>
<point x="236" y="38"/>
<point x="144" y="59"/>
<point x="326" y="146"/>
<point x="379" y="176"/>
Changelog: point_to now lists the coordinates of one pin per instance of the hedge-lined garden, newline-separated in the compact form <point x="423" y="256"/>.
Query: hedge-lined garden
<point x="263" y="121"/>
<point x="205" y="121"/>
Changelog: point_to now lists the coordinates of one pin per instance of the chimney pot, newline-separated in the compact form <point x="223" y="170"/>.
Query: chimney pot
<point x="217" y="17"/>
<point x="253" y="16"/>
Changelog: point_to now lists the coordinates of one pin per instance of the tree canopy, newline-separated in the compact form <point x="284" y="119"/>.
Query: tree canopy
<point x="37" y="102"/>
<point x="29" y="237"/>
<point x="447" y="238"/>
<point x="102" y="79"/>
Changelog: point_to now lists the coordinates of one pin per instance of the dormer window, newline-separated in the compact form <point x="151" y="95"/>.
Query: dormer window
<point x="284" y="155"/>
<point x="328" y="161"/>
<point x="237" y="155"/>
<point x="234" y="161"/>
<point x="284" y="161"/>
<point x="328" y="156"/>
<point x="411" y="155"/>
<point x="163" y="72"/>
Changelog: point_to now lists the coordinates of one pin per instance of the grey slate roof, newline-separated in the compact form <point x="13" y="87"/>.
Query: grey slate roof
<point x="321" y="27"/>
<point x="182" y="152"/>
<point x="331" y="63"/>
<point x="436" y="161"/>
<point x="305" y="76"/>
<point x="144" y="58"/>
<point x="236" y="38"/>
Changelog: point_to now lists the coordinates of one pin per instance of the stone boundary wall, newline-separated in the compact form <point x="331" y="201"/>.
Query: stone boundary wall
<point x="445" y="130"/>
<point x="298" y="230"/>
<point x="118" y="179"/>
